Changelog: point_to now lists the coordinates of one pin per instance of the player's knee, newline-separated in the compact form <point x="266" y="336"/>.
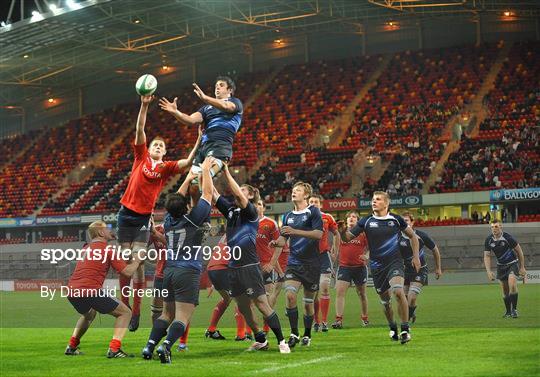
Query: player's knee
<point x="291" y="291"/>
<point x="386" y="302"/>
<point x="397" y="290"/>
<point x="415" y="290"/>
<point x="156" y="309"/>
<point x="90" y="315"/>
<point x="308" y="301"/>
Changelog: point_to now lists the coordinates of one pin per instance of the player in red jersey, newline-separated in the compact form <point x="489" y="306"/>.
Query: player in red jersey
<point x="149" y="174"/>
<point x="353" y="257"/>
<point x="268" y="256"/>
<point x="218" y="273"/>
<point x="158" y="240"/>
<point x="86" y="293"/>
<point x="327" y="254"/>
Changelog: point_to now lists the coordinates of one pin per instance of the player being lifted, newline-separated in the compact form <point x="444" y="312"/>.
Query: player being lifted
<point x="353" y="257"/>
<point x="303" y="227"/>
<point x="183" y="266"/>
<point x="87" y="281"/>
<point x="414" y="281"/>
<point x="149" y="174"/>
<point x="510" y="265"/>
<point x="327" y="254"/>
<point x="222" y="117"/>
<point x="246" y="282"/>
<point x="382" y="230"/>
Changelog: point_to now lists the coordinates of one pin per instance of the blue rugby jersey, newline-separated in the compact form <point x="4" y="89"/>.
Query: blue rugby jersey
<point x="242" y="227"/>
<point x="502" y="247"/>
<point x="221" y="125"/>
<point x="406" y="249"/>
<point x="184" y="247"/>
<point x="303" y="250"/>
<point x="382" y="234"/>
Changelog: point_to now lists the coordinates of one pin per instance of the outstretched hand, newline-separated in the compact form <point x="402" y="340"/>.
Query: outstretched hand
<point x="171" y="107"/>
<point x="146" y="99"/>
<point x="198" y="91"/>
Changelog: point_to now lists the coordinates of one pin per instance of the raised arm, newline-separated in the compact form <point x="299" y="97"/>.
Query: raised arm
<point x="172" y="108"/>
<point x="184" y="188"/>
<point x="219" y="104"/>
<point x="235" y="188"/>
<point x="140" y="135"/>
<point x="189" y="160"/>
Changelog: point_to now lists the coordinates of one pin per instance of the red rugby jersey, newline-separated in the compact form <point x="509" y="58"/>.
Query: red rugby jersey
<point x="161" y="249"/>
<point x="268" y="231"/>
<point x="90" y="272"/>
<point x="147" y="179"/>
<point x="219" y="261"/>
<point x="350" y="253"/>
<point x="329" y="225"/>
<point x="283" y="257"/>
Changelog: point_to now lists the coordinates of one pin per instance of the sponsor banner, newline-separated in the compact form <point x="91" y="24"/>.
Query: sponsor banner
<point x="516" y="194"/>
<point x="343" y="204"/>
<point x="35" y="285"/>
<point x="398" y="201"/>
<point x="112" y="217"/>
<point x="532" y="277"/>
<point x="7" y="285"/>
<point x="56" y="220"/>
<point x="16" y="221"/>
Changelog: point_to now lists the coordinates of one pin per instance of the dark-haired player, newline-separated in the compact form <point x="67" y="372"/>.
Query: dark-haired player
<point x="149" y="174"/>
<point x="303" y="229"/>
<point x="382" y="230"/>
<point x="183" y="266"/>
<point x="222" y="116"/>
<point x="246" y="282"/>
<point x="510" y="265"/>
<point x="327" y="253"/>
<point x="414" y="281"/>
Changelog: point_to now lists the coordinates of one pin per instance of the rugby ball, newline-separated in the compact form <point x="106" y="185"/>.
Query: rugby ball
<point x="146" y="85"/>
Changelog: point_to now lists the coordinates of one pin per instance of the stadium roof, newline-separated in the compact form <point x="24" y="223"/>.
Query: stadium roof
<point x="80" y="43"/>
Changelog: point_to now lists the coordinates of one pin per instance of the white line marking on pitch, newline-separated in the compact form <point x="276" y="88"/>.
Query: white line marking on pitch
<point x="273" y="369"/>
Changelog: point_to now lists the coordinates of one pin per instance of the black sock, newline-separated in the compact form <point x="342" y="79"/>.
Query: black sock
<point x="513" y="298"/>
<point x="308" y="322"/>
<point x="412" y="310"/>
<point x="405" y="326"/>
<point x="159" y="330"/>
<point x="260" y="337"/>
<point x="393" y="326"/>
<point x="507" y="304"/>
<point x="273" y="322"/>
<point x="293" y="320"/>
<point x="175" y="332"/>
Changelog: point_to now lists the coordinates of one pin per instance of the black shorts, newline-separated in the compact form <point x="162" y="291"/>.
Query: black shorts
<point x="326" y="263"/>
<point x="158" y="288"/>
<point x="103" y="305"/>
<point x="220" y="279"/>
<point x="307" y="274"/>
<point x="269" y="277"/>
<point x="182" y="285"/>
<point x="246" y="280"/>
<point x="411" y="276"/>
<point x="222" y="150"/>
<point x="504" y="271"/>
<point x="358" y="275"/>
<point x="382" y="276"/>
<point x="132" y="226"/>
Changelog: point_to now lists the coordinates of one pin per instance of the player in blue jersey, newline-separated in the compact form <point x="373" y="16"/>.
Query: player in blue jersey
<point x="222" y="117"/>
<point x="304" y="228"/>
<point x="382" y="230"/>
<point x="245" y="275"/>
<point x="510" y="265"/>
<point x="414" y="281"/>
<point x="183" y="266"/>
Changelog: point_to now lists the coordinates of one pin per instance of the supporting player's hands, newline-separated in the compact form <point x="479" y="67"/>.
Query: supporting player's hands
<point x="145" y="100"/>
<point x="438" y="273"/>
<point x="207" y="163"/>
<point x="267" y="268"/>
<point x="416" y="263"/>
<point x="491" y="276"/>
<point x="170" y="107"/>
<point x="198" y="91"/>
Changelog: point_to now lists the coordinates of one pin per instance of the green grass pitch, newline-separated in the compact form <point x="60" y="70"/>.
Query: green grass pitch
<point x="459" y="332"/>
